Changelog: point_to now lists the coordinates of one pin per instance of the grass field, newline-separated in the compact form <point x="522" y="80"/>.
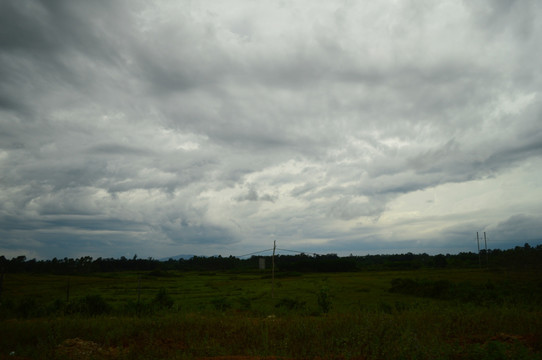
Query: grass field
<point x="421" y="314"/>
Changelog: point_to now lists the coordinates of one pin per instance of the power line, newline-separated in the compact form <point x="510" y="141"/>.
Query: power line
<point x="254" y="253"/>
<point x="287" y="250"/>
<point x="299" y="252"/>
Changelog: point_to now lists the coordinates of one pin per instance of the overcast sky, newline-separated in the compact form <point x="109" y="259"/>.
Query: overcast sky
<point x="160" y="128"/>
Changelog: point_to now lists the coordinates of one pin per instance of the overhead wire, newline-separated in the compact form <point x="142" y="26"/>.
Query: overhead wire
<point x="280" y="249"/>
<point x="254" y="253"/>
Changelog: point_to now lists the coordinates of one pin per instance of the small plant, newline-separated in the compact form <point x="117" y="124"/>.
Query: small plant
<point x="162" y="300"/>
<point x="324" y="299"/>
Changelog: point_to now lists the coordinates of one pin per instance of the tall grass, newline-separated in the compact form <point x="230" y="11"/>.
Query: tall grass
<point x="438" y="332"/>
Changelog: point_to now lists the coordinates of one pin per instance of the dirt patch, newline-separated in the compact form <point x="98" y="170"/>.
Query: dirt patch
<point x="85" y="350"/>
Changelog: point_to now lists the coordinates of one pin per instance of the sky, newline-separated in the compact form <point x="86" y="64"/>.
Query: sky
<point x="158" y="128"/>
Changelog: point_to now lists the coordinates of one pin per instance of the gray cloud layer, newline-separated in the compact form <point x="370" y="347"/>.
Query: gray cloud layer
<point x="166" y="127"/>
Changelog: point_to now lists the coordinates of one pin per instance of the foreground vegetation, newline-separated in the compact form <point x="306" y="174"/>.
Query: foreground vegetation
<point x="426" y="313"/>
<point x="429" y="333"/>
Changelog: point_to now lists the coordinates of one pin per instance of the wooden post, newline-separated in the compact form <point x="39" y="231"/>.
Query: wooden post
<point x="1" y="281"/>
<point x="138" y="290"/>
<point x="68" y="291"/>
<point x="273" y="271"/>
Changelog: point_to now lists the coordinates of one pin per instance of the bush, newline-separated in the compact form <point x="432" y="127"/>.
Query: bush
<point x="324" y="299"/>
<point x="162" y="300"/>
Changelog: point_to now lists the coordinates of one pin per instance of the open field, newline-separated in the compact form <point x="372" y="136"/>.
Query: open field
<point x="419" y="314"/>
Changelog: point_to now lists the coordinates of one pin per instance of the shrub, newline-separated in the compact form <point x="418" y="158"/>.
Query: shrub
<point x="162" y="300"/>
<point x="324" y="299"/>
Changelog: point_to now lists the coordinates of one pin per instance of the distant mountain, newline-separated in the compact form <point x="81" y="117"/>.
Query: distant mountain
<point x="177" y="257"/>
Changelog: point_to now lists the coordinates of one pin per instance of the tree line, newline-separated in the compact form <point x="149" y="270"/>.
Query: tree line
<point x="518" y="258"/>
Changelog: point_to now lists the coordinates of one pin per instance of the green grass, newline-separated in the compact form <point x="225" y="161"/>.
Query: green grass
<point x="196" y="291"/>
<point x="191" y="315"/>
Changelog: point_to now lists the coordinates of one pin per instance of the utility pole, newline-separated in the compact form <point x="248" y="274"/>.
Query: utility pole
<point x="68" y="291"/>
<point x="273" y="270"/>
<point x="138" y="290"/>
<point x="1" y="280"/>
<point x="487" y="255"/>
<point x="479" y="259"/>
